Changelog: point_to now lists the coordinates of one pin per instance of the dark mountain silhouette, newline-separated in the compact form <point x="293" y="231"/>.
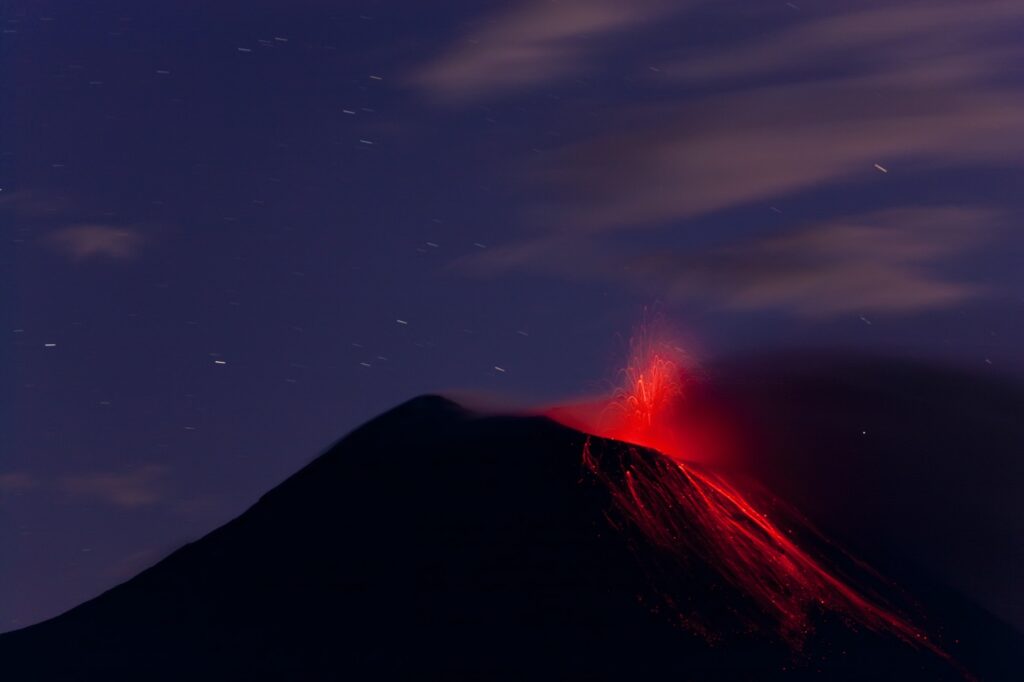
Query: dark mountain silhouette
<point x="437" y="543"/>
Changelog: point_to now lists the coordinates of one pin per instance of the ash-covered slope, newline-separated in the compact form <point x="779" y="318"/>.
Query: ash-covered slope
<point x="435" y="543"/>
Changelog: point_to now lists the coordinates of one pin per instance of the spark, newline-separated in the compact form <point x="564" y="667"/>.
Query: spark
<point x="881" y="168"/>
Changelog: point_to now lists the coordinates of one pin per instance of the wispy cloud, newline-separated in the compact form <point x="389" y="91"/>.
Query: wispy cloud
<point x="746" y="144"/>
<point x="844" y="97"/>
<point x="34" y="204"/>
<point x="534" y="42"/>
<point x="872" y="37"/>
<point x="129" y="490"/>
<point x="128" y="566"/>
<point x="85" y="242"/>
<point x="882" y="262"/>
<point x="16" y="481"/>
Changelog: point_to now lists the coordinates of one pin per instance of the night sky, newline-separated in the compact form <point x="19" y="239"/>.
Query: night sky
<point x="236" y="230"/>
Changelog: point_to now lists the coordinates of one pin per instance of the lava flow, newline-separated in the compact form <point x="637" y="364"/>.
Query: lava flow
<point x="691" y="512"/>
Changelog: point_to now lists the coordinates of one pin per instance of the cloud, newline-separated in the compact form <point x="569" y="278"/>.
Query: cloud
<point x="134" y="563"/>
<point x="34" y="204"/>
<point x="16" y="481"/>
<point x="62" y="226"/>
<point x="763" y="143"/>
<point x="535" y="42"/>
<point x="872" y="38"/>
<point x="881" y="262"/>
<point x="907" y="85"/>
<point x="129" y="490"/>
<point x="84" y="242"/>
<point x="861" y="97"/>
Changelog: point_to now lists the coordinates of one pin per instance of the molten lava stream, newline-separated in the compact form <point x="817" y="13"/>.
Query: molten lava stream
<point x="690" y="512"/>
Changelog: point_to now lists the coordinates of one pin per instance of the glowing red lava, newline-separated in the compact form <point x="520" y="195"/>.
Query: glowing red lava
<point x="691" y="512"/>
<point x="645" y="409"/>
<point x="641" y="411"/>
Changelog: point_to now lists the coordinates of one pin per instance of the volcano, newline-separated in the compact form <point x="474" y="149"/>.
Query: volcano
<point x="440" y="543"/>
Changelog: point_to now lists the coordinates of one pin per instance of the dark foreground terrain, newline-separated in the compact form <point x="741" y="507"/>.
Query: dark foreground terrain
<point x="434" y="543"/>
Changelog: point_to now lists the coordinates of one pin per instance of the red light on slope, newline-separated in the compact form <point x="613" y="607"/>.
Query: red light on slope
<point x="691" y="512"/>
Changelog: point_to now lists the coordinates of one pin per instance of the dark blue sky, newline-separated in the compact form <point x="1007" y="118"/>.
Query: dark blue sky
<point x="236" y="230"/>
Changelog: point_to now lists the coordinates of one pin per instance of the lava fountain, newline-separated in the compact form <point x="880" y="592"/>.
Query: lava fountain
<point x="651" y="457"/>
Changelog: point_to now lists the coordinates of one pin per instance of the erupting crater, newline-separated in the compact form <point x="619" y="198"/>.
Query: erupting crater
<point x="657" y="463"/>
